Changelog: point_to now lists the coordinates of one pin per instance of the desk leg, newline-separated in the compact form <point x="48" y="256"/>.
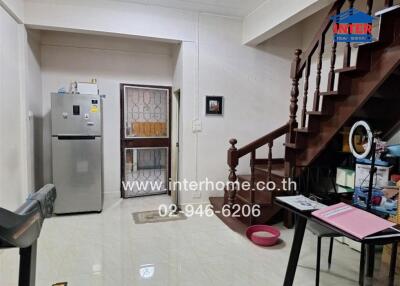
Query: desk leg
<point x="393" y="259"/>
<point x="371" y="260"/>
<point x="362" y="265"/>
<point x="295" y="251"/>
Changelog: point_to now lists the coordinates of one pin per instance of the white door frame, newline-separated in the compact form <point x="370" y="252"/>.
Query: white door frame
<point x="175" y="145"/>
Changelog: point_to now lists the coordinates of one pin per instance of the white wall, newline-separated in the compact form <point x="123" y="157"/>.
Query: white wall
<point x="68" y="57"/>
<point x="33" y="110"/>
<point x="275" y="16"/>
<point x="256" y="88"/>
<point x="11" y="171"/>
<point x="254" y="81"/>
<point x="15" y="8"/>
<point x="227" y="68"/>
<point x="19" y="92"/>
<point x="117" y="17"/>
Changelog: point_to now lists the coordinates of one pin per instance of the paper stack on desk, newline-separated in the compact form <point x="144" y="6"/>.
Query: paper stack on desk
<point x="301" y="203"/>
<point x="352" y="220"/>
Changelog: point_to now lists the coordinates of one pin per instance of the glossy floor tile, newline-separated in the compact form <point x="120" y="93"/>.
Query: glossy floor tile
<point x="109" y="249"/>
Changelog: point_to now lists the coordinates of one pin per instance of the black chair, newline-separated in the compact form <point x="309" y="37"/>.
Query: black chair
<point x="321" y="231"/>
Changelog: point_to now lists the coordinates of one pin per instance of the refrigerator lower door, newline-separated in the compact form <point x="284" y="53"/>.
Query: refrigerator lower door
<point x="77" y="174"/>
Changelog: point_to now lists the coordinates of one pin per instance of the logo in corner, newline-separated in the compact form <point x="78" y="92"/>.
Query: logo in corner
<point x="352" y="26"/>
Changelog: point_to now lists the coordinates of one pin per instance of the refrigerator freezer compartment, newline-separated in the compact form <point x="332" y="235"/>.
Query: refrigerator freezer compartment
<point x="76" y="114"/>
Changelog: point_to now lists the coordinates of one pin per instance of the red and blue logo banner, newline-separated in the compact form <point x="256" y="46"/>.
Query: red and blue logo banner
<point x="352" y="26"/>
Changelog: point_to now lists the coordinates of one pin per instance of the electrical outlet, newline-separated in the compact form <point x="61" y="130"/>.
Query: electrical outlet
<point x="196" y="125"/>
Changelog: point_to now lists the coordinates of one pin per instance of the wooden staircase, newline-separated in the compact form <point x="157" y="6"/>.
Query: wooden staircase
<point x="352" y="93"/>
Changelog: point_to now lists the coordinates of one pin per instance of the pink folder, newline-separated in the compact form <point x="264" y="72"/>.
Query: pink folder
<point x="352" y="220"/>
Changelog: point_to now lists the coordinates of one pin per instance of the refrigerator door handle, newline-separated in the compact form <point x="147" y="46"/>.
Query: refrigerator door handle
<point x="76" y="137"/>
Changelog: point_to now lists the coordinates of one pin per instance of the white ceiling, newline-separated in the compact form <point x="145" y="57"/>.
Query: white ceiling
<point x="239" y="8"/>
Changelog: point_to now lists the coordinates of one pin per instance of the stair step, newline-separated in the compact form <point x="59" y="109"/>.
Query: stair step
<point x="353" y="70"/>
<point x="247" y="178"/>
<point x="387" y="24"/>
<point x="317" y="113"/>
<point x="243" y="178"/>
<point x="374" y="44"/>
<point x="232" y="222"/>
<point x="346" y="69"/>
<point x="293" y="146"/>
<point x="395" y="8"/>
<point x="256" y="200"/>
<point x="304" y="130"/>
<point x="241" y="224"/>
<point x="331" y="93"/>
<point x="278" y="171"/>
<point x="261" y="196"/>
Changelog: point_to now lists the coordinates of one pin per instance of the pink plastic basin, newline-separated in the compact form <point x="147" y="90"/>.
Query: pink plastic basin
<point x="263" y="235"/>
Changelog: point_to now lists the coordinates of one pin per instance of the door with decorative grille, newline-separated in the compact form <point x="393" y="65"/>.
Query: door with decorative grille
<point x="145" y="140"/>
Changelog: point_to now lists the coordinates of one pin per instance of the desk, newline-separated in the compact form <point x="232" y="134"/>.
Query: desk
<point x="300" y="226"/>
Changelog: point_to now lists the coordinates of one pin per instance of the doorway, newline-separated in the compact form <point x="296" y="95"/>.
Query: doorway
<point x="175" y="145"/>
<point x="145" y="140"/>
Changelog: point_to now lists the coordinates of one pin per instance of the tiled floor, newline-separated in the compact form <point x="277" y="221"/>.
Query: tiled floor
<point x="109" y="249"/>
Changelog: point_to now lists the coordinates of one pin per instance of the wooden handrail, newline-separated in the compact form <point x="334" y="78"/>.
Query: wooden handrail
<point x="235" y="154"/>
<point x="262" y="141"/>
<point x="315" y="42"/>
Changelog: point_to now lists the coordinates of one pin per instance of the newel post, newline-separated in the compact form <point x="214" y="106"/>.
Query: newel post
<point x="294" y="94"/>
<point x="233" y="161"/>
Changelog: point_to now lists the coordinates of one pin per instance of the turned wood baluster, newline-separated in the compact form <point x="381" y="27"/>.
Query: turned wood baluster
<point x="294" y="94"/>
<point x="270" y="144"/>
<point x="252" y="182"/>
<point x="388" y="3"/>
<point x="305" y="97"/>
<point x="319" y="70"/>
<point x="253" y="176"/>
<point x="233" y="161"/>
<point x="347" y="48"/>
<point x="331" y="76"/>
<point x="370" y="3"/>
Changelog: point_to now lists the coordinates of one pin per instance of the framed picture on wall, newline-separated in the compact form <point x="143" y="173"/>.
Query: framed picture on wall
<point x="214" y="105"/>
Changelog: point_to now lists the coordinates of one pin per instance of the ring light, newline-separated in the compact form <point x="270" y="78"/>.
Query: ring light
<point x="367" y="145"/>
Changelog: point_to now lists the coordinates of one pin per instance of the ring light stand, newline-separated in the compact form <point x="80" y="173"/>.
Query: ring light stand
<point x="370" y="150"/>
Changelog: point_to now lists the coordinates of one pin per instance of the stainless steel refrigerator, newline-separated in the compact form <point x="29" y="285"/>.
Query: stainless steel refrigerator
<point x="77" y="152"/>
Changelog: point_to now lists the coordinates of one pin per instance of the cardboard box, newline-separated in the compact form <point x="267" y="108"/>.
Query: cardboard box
<point x="344" y="190"/>
<point x="381" y="177"/>
<point x="345" y="177"/>
<point x="87" y="88"/>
